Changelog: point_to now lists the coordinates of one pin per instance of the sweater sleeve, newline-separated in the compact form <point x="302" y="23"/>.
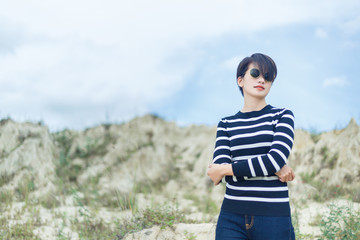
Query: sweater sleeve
<point x="222" y="154"/>
<point x="276" y="158"/>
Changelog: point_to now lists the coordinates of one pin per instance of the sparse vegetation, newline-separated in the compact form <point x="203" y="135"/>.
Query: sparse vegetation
<point x="315" y="135"/>
<point x="205" y="205"/>
<point x="189" y="236"/>
<point x="17" y="231"/>
<point x="325" y="192"/>
<point x="316" y="221"/>
<point x="49" y="200"/>
<point x="343" y="222"/>
<point x="6" y="198"/>
<point x="161" y="216"/>
<point x="16" y="227"/>
<point x="5" y="178"/>
<point x="82" y="166"/>
<point x="116" y="199"/>
<point x="91" y="227"/>
<point x="328" y="160"/>
<point x="24" y="188"/>
<point x="308" y="177"/>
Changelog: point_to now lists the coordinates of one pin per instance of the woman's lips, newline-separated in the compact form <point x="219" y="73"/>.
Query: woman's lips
<point x="259" y="87"/>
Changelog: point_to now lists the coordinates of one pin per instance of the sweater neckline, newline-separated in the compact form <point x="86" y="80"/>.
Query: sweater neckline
<point x="257" y="112"/>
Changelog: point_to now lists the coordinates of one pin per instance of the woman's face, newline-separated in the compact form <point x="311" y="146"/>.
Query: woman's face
<point x="254" y="86"/>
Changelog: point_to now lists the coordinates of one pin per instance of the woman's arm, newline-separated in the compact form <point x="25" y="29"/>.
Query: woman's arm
<point x="274" y="162"/>
<point x="275" y="159"/>
<point x="222" y="154"/>
<point x="217" y="171"/>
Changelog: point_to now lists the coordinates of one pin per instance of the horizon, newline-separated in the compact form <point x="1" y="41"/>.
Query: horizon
<point x="42" y="123"/>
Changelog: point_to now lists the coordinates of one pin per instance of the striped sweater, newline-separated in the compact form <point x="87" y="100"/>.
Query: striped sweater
<point x="257" y="144"/>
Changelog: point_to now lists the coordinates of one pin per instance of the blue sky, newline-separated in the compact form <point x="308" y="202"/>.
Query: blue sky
<point x="76" y="64"/>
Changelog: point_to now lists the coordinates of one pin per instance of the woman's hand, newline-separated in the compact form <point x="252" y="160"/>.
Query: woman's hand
<point x="285" y="174"/>
<point x="214" y="172"/>
<point x="217" y="171"/>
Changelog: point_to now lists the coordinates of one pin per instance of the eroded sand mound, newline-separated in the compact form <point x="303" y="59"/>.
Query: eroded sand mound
<point x="149" y="161"/>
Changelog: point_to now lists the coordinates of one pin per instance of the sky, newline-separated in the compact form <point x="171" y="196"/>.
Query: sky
<point x="76" y="64"/>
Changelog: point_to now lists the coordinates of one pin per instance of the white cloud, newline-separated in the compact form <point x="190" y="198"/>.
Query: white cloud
<point x="321" y="33"/>
<point x="81" y="58"/>
<point x="233" y="62"/>
<point x="335" y="82"/>
<point x="351" y="26"/>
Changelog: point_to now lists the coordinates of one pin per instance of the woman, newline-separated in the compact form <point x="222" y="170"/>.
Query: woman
<point x="251" y="152"/>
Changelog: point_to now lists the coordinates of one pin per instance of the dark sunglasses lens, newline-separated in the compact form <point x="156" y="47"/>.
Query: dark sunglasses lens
<point x="255" y="73"/>
<point x="267" y="77"/>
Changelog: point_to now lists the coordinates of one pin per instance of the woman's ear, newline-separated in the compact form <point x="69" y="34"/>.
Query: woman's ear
<point x="240" y="81"/>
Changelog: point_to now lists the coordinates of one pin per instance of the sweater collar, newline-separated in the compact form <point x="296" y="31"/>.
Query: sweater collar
<point x="256" y="113"/>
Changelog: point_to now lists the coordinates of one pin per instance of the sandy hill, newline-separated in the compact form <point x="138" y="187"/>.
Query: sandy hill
<point x="114" y="168"/>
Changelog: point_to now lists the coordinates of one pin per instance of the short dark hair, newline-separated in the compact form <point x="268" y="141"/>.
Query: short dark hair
<point x="265" y="64"/>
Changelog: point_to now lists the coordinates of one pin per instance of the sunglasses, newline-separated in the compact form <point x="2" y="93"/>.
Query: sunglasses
<point x="255" y="73"/>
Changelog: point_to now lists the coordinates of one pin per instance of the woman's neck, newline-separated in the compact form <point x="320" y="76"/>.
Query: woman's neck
<point x="250" y="106"/>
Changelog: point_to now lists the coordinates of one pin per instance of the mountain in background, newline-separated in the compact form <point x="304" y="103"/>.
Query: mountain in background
<point x="112" y="169"/>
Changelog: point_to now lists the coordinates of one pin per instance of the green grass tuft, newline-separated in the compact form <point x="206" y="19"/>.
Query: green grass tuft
<point x="343" y="222"/>
<point x="160" y="216"/>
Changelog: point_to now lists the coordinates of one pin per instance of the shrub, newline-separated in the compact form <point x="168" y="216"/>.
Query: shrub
<point x="24" y="188"/>
<point x="161" y="216"/>
<point x="341" y="223"/>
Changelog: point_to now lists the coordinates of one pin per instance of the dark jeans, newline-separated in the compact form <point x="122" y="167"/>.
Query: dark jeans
<point x="238" y="226"/>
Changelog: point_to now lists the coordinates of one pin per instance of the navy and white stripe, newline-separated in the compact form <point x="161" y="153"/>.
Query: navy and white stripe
<point x="257" y="144"/>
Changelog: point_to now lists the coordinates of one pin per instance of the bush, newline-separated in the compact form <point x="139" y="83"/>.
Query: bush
<point x="161" y="216"/>
<point x="341" y="223"/>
